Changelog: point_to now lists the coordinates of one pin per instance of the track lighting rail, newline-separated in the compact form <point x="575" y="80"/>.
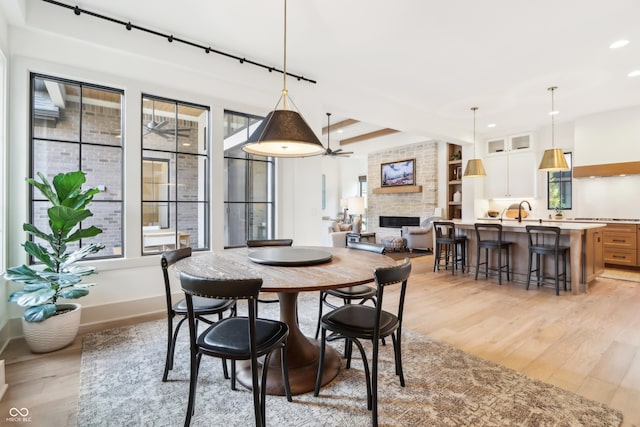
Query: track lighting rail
<point x="171" y="38"/>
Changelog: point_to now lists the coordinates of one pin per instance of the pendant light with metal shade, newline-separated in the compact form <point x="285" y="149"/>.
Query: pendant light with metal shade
<point x="284" y="132"/>
<point x="474" y="168"/>
<point x="553" y="158"/>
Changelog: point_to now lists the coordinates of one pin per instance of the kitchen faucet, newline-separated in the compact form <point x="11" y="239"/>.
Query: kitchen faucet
<point x="520" y="209"/>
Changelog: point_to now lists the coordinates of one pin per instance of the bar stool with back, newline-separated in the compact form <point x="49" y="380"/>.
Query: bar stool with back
<point x="492" y="243"/>
<point x="454" y="246"/>
<point x="537" y="246"/>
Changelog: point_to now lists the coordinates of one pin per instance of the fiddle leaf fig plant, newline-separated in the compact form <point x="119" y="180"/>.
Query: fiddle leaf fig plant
<point x="59" y="277"/>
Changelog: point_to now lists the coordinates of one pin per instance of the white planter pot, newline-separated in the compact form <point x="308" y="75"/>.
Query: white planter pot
<point x="54" y="333"/>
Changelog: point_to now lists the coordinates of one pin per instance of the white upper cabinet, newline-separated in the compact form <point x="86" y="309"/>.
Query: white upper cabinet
<point x="510" y="143"/>
<point x="511" y="167"/>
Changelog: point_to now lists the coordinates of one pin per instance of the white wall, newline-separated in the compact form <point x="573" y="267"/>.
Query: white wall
<point x="608" y="137"/>
<point x="98" y="52"/>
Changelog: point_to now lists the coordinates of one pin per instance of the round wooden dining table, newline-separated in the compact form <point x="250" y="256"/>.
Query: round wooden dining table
<point x="346" y="267"/>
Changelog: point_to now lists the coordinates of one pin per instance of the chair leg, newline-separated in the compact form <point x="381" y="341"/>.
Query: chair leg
<point x="320" y="304"/>
<point x="323" y="338"/>
<point x="507" y="250"/>
<point x="285" y="372"/>
<point x="529" y="269"/>
<point x="478" y="250"/>
<point x="397" y="350"/>
<point x="538" y="268"/>
<point x="557" y="273"/>
<point x="486" y="263"/>
<point x="436" y="257"/>
<point x="193" y="381"/>
<point x="374" y="382"/>
<point x="564" y="270"/>
<point x="168" y="364"/>
<point x="255" y="388"/>
<point x="500" y="265"/>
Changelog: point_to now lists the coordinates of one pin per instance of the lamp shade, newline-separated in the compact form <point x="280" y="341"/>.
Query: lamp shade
<point x="553" y="160"/>
<point x="474" y="169"/>
<point x="283" y="133"/>
<point x="356" y="205"/>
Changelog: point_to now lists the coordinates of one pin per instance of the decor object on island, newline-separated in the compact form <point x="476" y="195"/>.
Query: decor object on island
<point x="284" y="133"/>
<point x="398" y="173"/>
<point x="474" y="168"/>
<point x="553" y="158"/>
<point x="329" y="151"/>
<point x="47" y="325"/>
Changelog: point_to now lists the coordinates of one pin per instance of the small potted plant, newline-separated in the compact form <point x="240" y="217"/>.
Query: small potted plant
<point x="47" y="324"/>
<point x="559" y="211"/>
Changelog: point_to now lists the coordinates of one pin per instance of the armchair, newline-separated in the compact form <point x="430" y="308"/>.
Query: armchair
<point x="420" y="237"/>
<point x="338" y="234"/>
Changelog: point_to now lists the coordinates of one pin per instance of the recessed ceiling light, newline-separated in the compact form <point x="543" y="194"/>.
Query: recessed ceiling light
<point x="618" y="44"/>
<point x="634" y="73"/>
<point x="553" y="113"/>
<point x="491" y="125"/>
<point x="340" y="131"/>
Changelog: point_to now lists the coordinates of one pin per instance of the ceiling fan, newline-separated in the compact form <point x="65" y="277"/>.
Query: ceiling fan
<point x="328" y="151"/>
<point x="156" y="127"/>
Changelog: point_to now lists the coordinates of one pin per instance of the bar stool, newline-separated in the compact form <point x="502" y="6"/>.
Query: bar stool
<point x="454" y="246"/>
<point x="486" y="244"/>
<point x="552" y="247"/>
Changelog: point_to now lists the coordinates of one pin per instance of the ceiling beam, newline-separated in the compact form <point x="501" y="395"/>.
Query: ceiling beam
<point x="340" y="125"/>
<point x="370" y="135"/>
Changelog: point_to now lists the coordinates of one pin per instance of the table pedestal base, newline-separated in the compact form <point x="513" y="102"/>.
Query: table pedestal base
<point x="302" y="357"/>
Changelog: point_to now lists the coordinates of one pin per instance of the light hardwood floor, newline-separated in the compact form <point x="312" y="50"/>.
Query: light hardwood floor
<point x="588" y="344"/>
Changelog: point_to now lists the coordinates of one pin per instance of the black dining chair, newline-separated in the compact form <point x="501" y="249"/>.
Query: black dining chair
<point x="360" y="293"/>
<point x="257" y="243"/>
<point x="202" y="307"/>
<point x="234" y="338"/>
<point x="355" y="322"/>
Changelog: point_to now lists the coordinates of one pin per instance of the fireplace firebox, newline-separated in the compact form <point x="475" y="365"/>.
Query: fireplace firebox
<point x="398" y="221"/>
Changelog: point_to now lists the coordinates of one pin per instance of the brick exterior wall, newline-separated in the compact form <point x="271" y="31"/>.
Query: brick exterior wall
<point x="403" y="204"/>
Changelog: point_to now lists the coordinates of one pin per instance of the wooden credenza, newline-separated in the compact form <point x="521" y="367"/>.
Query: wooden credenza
<point x="621" y="244"/>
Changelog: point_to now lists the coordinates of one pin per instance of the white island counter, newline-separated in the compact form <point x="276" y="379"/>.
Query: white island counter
<point x="584" y="238"/>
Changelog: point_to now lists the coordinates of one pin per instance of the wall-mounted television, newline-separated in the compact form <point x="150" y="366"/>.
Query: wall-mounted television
<point x="398" y="173"/>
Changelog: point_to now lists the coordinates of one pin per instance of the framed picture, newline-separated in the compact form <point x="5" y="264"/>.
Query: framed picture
<point x="398" y="173"/>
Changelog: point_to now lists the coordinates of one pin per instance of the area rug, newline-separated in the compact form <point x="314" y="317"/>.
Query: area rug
<point x="120" y="385"/>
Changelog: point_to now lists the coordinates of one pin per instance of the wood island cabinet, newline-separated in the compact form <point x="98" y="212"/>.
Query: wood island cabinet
<point x="594" y="261"/>
<point x="621" y="244"/>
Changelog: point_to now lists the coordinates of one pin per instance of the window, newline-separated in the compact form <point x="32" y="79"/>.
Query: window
<point x="249" y="184"/>
<point x="78" y="126"/>
<point x="175" y="171"/>
<point x="559" y="187"/>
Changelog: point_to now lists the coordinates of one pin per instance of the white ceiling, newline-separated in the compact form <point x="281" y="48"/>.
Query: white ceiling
<point x="420" y="65"/>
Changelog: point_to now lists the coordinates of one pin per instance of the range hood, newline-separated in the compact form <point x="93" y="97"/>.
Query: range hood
<point x="607" y="169"/>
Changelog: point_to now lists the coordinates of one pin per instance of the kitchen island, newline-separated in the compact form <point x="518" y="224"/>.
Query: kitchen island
<point x="584" y="238"/>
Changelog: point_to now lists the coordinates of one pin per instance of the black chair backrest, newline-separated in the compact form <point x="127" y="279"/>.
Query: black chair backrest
<point x="168" y="259"/>
<point x="488" y="227"/>
<point x="543" y="231"/>
<point x="220" y="288"/>
<point x="386" y="276"/>
<point x="269" y="242"/>
<point x="367" y="246"/>
<point x="446" y="229"/>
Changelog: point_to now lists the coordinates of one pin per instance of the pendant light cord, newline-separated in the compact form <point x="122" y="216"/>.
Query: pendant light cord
<point x="553" y="114"/>
<point x="284" y="66"/>
<point x="475" y="153"/>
